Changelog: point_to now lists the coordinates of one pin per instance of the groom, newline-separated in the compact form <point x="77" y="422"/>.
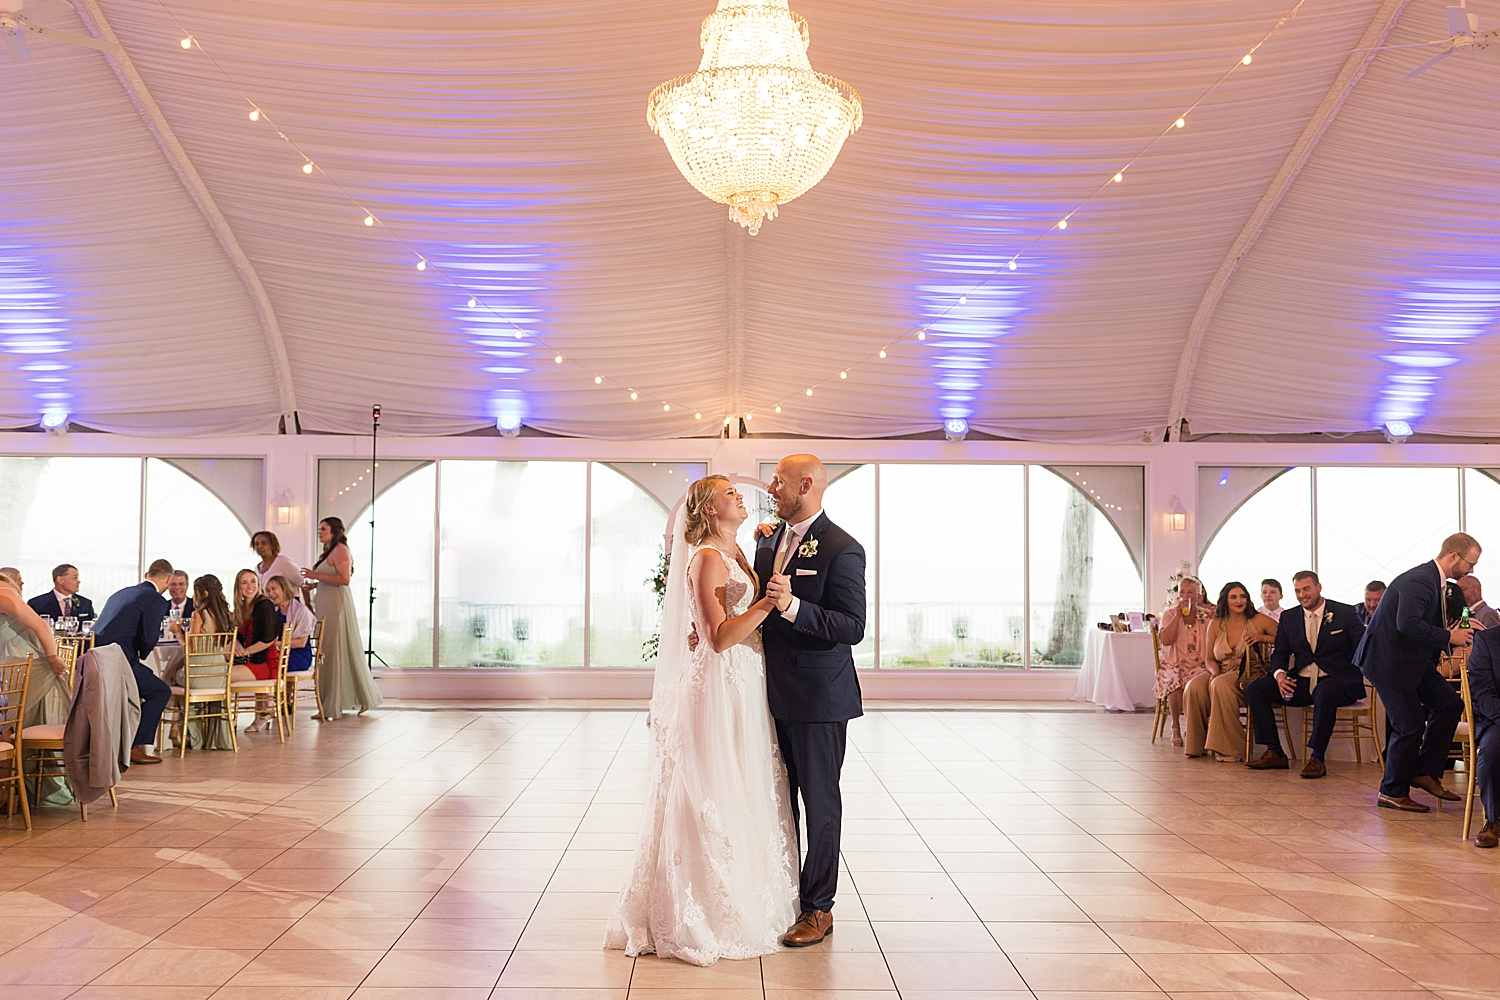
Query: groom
<point x="815" y="572"/>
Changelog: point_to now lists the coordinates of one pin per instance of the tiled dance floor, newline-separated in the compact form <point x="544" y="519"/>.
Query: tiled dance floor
<point x="464" y="855"/>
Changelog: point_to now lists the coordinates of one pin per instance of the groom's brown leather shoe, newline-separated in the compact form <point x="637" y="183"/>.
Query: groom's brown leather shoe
<point x="810" y="928"/>
<point x="1436" y="788"/>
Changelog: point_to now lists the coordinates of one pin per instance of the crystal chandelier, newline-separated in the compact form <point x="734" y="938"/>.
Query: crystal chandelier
<point x="755" y="127"/>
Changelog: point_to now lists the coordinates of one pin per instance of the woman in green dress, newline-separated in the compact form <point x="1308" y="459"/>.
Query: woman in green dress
<point x="344" y="680"/>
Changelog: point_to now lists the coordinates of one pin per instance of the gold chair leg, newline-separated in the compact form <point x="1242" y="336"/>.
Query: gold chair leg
<point x="1469" y="795"/>
<point x="113" y="799"/>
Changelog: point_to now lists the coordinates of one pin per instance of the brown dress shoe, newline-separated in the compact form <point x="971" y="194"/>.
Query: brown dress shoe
<point x="1314" y="767"/>
<point x="1436" y="789"/>
<point x="1269" y="761"/>
<point x="1404" y="803"/>
<point x="138" y="755"/>
<point x="810" y="928"/>
<point x="1489" y="836"/>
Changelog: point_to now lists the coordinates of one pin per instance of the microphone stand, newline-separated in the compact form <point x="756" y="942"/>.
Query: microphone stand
<point x="370" y="655"/>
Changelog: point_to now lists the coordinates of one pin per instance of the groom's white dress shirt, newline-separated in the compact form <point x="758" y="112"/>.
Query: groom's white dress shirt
<point x="798" y="531"/>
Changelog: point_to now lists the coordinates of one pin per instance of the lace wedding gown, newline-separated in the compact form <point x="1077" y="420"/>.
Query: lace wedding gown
<point x="715" y="871"/>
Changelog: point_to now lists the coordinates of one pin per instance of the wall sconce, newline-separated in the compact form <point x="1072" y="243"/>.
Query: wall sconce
<point x="1177" y="516"/>
<point x="285" y="502"/>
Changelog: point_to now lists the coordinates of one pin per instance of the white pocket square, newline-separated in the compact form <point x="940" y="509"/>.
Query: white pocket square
<point x="807" y="572"/>
<point x="1337" y="631"/>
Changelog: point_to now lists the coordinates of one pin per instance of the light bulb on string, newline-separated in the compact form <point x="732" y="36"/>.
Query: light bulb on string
<point x="963" y="300"/>
<point x="665" y="407"/>
<point x="778" y="407"/>
<point x="809" y="392"/>
<point x="598" y="379"/>
<point x="307" y="167"/>
<point x="1246" y="61"/>
<point x="634" y="394"/>
<point x="843" y="374"/>
<point x="369" y="220"/>
<point x="187" y="42"/>
<point x="1012" y="265"/>
<point x="421" y="264"/>
<point x="882" y="352"/>
<point x="1181" y="122"/>
<point x="697" y="416"/>
<point x="473" y="302"/>
<point x="1062" y="223"/>
<point x="255" y="114"/>
<point x="921" y="334"/>
<point x="1119" y="177"/>
<point x="557" y="360"/>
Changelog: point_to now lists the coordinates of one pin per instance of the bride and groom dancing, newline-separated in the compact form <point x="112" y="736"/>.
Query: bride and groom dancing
<point x="754" y="689"/>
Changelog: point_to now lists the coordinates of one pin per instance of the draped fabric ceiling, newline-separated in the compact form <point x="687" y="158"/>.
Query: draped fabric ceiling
<point x="1315" y="251"/>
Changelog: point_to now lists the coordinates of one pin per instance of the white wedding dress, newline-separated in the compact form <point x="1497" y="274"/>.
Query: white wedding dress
<point x="715" y="871"/>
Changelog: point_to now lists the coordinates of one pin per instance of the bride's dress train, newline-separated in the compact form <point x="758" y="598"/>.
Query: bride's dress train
<point x="715" y="872"/>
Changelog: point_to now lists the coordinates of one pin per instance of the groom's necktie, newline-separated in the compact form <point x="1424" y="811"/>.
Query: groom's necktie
<point x="1312" y="624"/>
<point x="784" y="552"/>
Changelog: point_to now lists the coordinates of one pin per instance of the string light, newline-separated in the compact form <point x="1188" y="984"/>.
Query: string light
<point x="634" y="394"/>
<point x="1117" y="177"/>
<point x="255" y="114"/>
<point x="187" y="42"/>
<point x="370" y="221"/>
<point x="307" y="167"/>
<point x="421" y="264"/>
<point x="598" y="380"/>
<point x="665" y="407"/>
<point x="558" y="360"/>
<point x="698" y="416"/>
<point x="473" y="302"/>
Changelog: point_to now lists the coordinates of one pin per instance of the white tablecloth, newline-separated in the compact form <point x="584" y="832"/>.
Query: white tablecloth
<point x="1118" y="671"/>
<point x="164" y="658"/>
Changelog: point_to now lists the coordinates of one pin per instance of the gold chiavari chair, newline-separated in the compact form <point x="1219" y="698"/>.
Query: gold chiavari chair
<point x="1163" y="712"/>
<point x="302" y="685"/>
<point x="1465" y="735"/>
<point x="48" y="737"/>
<point x="1352" y="722"/>
<point x="14" y="680"/>
<point x="274" y="688"/>
<point x="207" y="660"/>
<point x="1278" y="710"/>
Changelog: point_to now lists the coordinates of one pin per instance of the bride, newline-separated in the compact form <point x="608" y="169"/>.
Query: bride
<point x="715" y="872"/>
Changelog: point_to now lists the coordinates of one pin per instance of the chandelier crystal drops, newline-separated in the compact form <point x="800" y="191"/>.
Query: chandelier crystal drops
<point x="755" y="127"/>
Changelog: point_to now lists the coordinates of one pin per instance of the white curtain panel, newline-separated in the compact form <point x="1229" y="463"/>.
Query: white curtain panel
<point x="505" y="142"/>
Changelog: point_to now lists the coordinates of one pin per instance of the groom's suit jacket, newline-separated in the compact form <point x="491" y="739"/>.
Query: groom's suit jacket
<point x="810" y="662"/>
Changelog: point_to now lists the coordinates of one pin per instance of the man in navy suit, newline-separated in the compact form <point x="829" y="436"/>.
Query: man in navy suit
<point x="815" y="572"/>
<point x="132" y="620"/>
<point x="1406" y="636"/>
<point x="1484" y="691"/>
<point x="63" y="600"/>
<point x="1313" y="664"/>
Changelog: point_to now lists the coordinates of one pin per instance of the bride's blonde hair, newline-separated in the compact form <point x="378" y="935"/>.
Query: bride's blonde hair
<point x="699" y="507"/>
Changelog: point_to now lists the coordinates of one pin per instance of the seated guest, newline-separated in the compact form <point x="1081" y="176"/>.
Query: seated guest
<point x="1374" y="591"/>
<point x="1479" y="612"/>
<point x="1183" y="645"/>
<point x="1212" y="700"/>
<point x="294" y="613"/>
<point x="1400" y="652"/>
<point x="132" y="620"/>
<point x="272" y="562"/>
<point x="258" y="628"/>
<point x="1312" y="664"/>
<point x="211" y="614"/>
<point x="178" y="599"/>
<point x="63" y="600"/>
<point x="1484" y="689"/>
<point x="22" y="634"/>
<point x="1270" y="599"/>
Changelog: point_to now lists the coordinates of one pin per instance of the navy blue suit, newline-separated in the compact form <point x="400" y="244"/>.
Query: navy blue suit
<point x="46" y="604"/>
<point x="1399" y="655"/>
<point x="1484" y="691"/>
<point x="132" y="620"/>
<point x="811" y="685"/>
<point x="1339" y="682"/>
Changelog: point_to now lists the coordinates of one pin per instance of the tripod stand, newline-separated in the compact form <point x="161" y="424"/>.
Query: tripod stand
<point x="370" y="655"/>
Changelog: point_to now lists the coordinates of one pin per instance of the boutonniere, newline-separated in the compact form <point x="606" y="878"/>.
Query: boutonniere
<point x="807" y="549"/>
<point x="1328" y="616"/>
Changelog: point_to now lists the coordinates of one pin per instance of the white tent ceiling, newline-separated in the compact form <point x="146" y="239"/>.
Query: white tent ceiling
<point x="1318" y="250"/>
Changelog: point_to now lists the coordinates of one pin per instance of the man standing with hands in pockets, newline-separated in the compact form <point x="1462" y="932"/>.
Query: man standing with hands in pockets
<point x="1399" y="654"/>
<point x="815" y="573"/>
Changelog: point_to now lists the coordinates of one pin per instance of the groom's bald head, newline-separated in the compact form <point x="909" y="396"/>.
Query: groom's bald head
<point x="797" y="486"/>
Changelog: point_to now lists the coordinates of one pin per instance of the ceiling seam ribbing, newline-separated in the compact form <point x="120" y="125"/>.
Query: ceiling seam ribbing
<point x="1296" y="158"/>
<point x="161" y="130"/>
<point x="734" y="292"/>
